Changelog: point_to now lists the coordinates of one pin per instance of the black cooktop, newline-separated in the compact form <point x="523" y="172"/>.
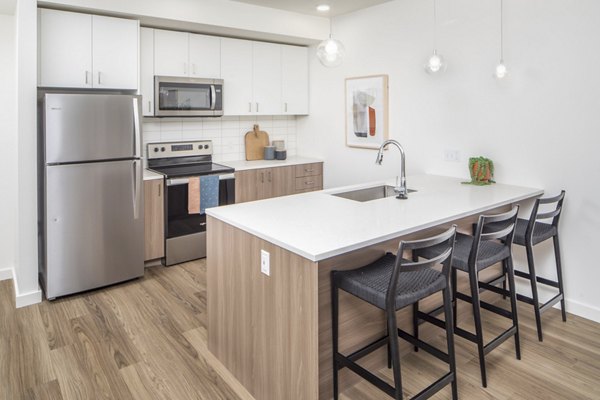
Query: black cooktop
<point x="205" y="168"/>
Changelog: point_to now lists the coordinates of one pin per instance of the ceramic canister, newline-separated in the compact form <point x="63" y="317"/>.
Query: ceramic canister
<point x="269" y="153"/>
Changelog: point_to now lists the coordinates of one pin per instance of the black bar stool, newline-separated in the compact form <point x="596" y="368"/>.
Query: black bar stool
<point x="392" y="283"/>
<point x="472" y="255"/>
<point x="531" y="232"/>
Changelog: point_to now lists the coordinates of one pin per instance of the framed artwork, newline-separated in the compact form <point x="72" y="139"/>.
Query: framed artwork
<point x="367" y="111"/>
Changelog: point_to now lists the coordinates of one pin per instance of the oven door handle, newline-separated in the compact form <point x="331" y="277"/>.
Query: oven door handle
<point x="224" y="177"/>
<point x="177" y="181"/>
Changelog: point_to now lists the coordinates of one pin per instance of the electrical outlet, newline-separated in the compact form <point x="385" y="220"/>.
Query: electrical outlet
<point x="451" y="155"/>
<point x="265" y="266"/>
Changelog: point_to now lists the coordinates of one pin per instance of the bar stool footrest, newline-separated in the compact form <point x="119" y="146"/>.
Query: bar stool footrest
<point x="500" y="339"/>
<point x="434" y="387"/>
<point x="370" y="377"/>
<point x="485" y="305"/>
<point x="424" y="346"/>
<point x="539" y="279"/>
<point x="551" y="302"/>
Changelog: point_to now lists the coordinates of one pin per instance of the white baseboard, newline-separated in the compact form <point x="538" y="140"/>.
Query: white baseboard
<point x="6" y="273"/>
<point x="26" y="299"/>
<point x="583" y="310"/>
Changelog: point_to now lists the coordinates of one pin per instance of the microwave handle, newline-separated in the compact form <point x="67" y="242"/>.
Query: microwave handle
<point x="213" y="97"/>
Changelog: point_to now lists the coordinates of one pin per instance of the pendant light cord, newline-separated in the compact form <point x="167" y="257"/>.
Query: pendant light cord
<point x="330" y="25"/>
<point x="434" y="25"/>
<point x="502" y="31"/>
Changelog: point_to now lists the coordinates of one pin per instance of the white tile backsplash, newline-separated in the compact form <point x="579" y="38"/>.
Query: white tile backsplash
<point x="227" y="133"/>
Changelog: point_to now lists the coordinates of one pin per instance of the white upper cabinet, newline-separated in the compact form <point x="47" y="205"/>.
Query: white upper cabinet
<point x="65" y="53"/>
<point x="266" y="78"/>
<point x="236" y="72"/>
<point x="204" y="56"/>
<point x="115" y="44"/>
<point x="84" y="51"/>
<point x="147" y="70"/>
<point x="171" y="53"/>
<point x="185" y="54"/>
<point x="294" y="82"/>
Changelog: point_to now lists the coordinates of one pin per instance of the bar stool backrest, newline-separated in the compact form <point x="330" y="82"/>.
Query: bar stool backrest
<point x="500" y="227"/>
<point x="445" y="239"/>
<point x="538" y="215"/>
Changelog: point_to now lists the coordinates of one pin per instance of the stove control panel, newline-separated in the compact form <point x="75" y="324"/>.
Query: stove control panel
<point x="180" y="149"/>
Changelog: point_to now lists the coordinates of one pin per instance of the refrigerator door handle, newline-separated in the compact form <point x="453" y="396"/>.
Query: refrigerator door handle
<point x="136" y="188"/>
<point x="137" y="138"/>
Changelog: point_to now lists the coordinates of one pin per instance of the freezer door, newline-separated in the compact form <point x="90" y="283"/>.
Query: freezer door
<point x="94" y="225"/>
<point x="88" y="127"/>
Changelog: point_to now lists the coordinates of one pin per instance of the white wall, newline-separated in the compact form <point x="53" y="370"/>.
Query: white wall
<point x="541" y="125"/>
<point x="26" y="269"/>
<point x="8" y="141"/>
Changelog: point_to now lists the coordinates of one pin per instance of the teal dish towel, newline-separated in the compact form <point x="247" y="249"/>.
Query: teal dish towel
<point x="209" y="192"/>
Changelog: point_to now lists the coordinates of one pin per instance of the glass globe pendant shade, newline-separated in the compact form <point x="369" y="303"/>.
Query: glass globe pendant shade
<point x="501" y="70"/>
<point x="331" y="52"/>
<point x="435" y="63"/>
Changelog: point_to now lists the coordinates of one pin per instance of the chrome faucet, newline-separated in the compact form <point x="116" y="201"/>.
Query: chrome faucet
<point x="400" y="187"/>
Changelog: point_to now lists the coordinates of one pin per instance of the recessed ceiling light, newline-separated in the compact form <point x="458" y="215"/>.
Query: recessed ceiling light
<point x="323" y="7"/>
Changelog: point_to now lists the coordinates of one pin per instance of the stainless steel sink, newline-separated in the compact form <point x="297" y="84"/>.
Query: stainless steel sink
<point x="368" y="194"/>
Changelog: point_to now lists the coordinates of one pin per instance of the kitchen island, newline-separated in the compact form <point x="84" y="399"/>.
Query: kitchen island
<point x="273" y="332"/>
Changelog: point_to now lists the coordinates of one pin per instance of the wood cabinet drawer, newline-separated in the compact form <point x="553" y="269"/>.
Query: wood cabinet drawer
<point x="309" y="183"/>
<point x="313" y="169"/>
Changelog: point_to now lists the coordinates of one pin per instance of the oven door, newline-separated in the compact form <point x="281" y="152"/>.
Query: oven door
<point x="188" y="97"/>
<point x="185" y="233"/>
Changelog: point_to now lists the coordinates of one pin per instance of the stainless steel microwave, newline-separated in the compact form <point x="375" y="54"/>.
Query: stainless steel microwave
<point x="187" y="97"/>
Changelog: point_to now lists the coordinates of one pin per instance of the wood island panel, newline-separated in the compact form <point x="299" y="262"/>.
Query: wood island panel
<point x="262" y="328"/>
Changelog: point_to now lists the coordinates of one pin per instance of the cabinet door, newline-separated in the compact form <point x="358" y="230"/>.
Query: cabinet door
<point x="147" y="70"/>
<point x="264" y="183"/>
<point x="115" y="51"/>
<point x="65" y="51"/>
<point x="283" y="181"/>
<point x="154" y="230"/>
<point x="171" y="53"/>
<point x="266" y="78"/>
<point x="294" y="82"/>
<point x="205" y="56"/>
<point x="246" y="186"/>
<point x="236" y="71"/>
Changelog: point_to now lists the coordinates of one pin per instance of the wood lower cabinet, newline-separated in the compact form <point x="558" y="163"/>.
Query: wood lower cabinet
<point x="264" y="183"/>
<point x="154" y="218"/>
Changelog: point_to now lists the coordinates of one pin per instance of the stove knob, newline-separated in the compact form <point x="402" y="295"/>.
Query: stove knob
<point x="206" y="146"/>
<point x="200" y="147"/>
<point x="156" y="149"/>
<point x="162" y="149"/>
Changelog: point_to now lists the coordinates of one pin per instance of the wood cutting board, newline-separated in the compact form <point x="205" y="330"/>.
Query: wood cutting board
<point x="256" y="140"/>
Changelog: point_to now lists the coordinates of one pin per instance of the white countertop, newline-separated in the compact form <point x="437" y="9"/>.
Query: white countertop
<point x="317" y="225"/>
<point x="150" y="175"/>
<point x="244" y="165"/>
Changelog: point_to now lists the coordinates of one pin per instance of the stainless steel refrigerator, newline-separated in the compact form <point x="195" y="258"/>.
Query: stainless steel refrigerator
<point x="91" y="196"/>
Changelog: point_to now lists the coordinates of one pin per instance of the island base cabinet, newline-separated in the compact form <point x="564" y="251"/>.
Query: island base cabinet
<point x="154" y="219"/>
<point x="273" y="332"/>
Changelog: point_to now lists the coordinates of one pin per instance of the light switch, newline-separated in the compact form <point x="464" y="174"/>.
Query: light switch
<point x="265" y="266"/>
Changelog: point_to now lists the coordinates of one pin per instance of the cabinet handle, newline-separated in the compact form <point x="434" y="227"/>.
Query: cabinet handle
<point x="270" y="176"/>
<point x="262" y="177"/>
<point x="185" y="68"/>
<point x="249" y="106"/>
<point x="87" y="77"/>
<point x="285" y="107"/>
<point x="150" y="106"/>
<point x="159" y="190"/>
<point x="308" y="182"/>
<point x="256" y="106"/>
<point x="308" y="170"/>
<point x="99" y="78"/>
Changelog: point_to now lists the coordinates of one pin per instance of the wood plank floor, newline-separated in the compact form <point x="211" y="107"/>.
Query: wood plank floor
<point x="146" y="339"/>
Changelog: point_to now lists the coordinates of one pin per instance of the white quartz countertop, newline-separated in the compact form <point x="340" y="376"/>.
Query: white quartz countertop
<point x="150" y="175"/>
<point x="244" y="165"/>
<point x="317" y="225"/>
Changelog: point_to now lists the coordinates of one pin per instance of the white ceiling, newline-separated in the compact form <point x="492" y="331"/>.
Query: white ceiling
<point x="309" y="6"/>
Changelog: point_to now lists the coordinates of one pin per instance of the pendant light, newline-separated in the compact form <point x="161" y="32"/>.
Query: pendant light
<point x="331" y="51"/>
<point x="436" y="63"/>
<point x="501" y="70"/>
